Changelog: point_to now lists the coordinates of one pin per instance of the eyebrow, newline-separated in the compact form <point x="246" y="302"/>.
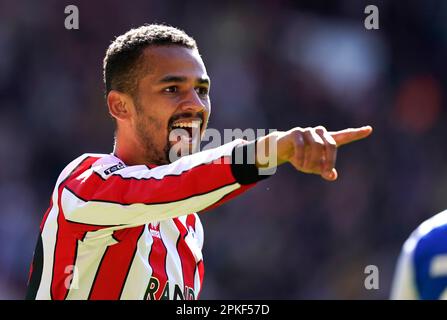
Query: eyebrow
<point x="181" y="79"/>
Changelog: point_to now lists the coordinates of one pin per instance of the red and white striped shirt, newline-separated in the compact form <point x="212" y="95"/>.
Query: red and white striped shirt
<point x="131" y="232"/>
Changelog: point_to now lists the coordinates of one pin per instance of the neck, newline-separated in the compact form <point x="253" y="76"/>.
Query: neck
<point x="129" y="152"/>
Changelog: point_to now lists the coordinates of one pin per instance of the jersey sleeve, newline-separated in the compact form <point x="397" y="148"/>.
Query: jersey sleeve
<point x="404" y="282"/>
<point x="112" y="194"/>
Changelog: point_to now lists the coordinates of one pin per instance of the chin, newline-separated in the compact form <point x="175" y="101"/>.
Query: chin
<point x="181" y="149"/>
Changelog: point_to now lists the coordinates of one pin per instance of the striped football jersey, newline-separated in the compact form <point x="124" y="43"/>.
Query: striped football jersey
<point x="114" y="231"/>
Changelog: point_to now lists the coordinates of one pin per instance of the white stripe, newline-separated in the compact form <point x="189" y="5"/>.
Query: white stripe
<point x="105" y="213"/>
<point x="197" y="287"/>
<point x="199" y="232"/>
<point x="169" y="235"/>
<point x="199" y="240"/>
<point x="90" y="252"/>
<point x="183" y="220"/>
<point x="191" y="239"/>
<point x="403" y="286"/>
<point x="140" y="271"/>
<point x="194" y="240"/>
<point x="430" y="224"/>
<point x="49" y="233"/>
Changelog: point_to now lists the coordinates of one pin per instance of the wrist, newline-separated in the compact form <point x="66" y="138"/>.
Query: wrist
<point x="274" y="149"/>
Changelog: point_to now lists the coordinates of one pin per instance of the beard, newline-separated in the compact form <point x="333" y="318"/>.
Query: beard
<point x="170" y="150"/>
<point x="154" y="152"/>
<point x="163" y="151"/>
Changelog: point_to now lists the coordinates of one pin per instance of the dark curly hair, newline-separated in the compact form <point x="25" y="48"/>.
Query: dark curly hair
<point x="122" y="64"/>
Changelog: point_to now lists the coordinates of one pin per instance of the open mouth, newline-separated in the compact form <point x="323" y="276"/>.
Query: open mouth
<point x="185" y="129"/>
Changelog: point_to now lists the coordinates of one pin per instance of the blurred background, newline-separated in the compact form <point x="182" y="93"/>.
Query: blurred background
<point x="273" y="64"/>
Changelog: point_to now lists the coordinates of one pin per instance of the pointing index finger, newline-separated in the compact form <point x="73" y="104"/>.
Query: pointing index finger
<point x="346" y="136"/>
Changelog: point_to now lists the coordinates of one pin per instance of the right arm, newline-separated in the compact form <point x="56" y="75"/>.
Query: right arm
<point x="136" y="195"/>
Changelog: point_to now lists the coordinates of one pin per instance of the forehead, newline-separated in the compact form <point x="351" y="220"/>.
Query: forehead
<point x="172" y="60"/>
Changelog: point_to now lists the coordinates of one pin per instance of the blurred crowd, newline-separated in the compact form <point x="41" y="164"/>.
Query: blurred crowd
<point x="273" y="65"/>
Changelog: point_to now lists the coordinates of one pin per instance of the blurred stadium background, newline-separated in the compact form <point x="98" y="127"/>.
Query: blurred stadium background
<point x="273" y="64"/>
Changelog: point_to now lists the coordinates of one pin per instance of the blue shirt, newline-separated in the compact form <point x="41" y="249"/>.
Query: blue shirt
<point x="421" y="271"/>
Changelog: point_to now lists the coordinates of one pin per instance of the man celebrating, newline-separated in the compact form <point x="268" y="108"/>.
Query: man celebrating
<point x="124" y="225"/>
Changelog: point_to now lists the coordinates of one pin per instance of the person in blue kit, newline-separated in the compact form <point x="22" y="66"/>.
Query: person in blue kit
<point x="421" y="271"/>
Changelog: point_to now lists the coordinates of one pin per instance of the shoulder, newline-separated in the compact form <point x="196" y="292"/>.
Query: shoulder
<point x="430" y="236"/>
<point x="84" y="162"/>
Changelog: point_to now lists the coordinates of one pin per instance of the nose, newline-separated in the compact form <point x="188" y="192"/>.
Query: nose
<point x="193" y="103"/>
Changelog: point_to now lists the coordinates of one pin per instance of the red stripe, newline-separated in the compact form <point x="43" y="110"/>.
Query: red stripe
<point x="67" y="237"/>
<point x="186" y="257"/>
<point x="191" y="221"/>
<point x="65" y="252"/>
<point x="198" y="180"/>
<point x="115" y="265"/>
<point x="157" y="261"/>
<point x="64" y="258"/>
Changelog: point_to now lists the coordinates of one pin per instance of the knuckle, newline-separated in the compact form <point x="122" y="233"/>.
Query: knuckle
<point x="295" y="133"/>
<point x="299" y="141"/>
<point x="307" y="130"/>
<point x="298" y="138"/>
<point x="296" y="130"/>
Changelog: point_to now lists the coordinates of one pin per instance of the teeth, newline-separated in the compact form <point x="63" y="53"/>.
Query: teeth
<point x="194" y="124"/>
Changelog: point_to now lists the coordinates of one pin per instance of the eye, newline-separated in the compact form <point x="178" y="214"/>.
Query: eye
<point x="203" y="91"/>
<point x="171" y="89"/>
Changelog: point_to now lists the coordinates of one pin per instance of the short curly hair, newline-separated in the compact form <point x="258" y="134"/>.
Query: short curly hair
<point x="122" y="64"/>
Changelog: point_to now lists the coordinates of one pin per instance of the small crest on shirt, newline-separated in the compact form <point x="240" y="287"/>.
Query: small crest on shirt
<point x="114" y="168"/>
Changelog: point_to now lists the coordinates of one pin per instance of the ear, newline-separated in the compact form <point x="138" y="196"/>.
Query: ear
<point x="119" y="105"/>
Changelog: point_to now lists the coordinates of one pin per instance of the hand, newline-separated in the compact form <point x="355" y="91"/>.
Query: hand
<point x="313" y="150"/>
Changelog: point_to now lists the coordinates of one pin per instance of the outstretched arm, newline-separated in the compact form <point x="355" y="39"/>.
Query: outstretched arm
<point x="105" y="192"/>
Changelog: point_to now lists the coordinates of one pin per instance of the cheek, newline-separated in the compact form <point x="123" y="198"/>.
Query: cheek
<point x="155" y="108"/>
<point x="152" y="127"/>
<point x="207" y="117"/>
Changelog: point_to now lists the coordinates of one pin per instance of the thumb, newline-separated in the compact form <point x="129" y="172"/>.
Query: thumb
<point x="331" y="175"/>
